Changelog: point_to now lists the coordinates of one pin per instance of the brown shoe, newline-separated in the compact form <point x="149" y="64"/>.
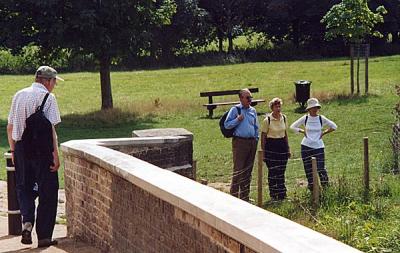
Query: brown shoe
<point x="46" y="243"/>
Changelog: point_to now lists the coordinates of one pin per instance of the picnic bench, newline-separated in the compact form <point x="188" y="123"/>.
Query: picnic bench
<point x="211" y="105"/>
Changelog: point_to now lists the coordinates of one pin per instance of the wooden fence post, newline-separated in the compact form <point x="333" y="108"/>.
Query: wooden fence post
<point x="260" y="178"/>
<point x="315" y="190"/>
<point x="366" y="166"/>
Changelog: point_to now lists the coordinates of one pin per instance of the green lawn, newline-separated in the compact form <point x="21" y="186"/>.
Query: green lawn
<point x="170" y="98"/>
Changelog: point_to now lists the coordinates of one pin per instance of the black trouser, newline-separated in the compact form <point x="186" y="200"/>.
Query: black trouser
<point x="319" y="154"/>
<point x="31" y="171"/>
<point x="276" y="158"/>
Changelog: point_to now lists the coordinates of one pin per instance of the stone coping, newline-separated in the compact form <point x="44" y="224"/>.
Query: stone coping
<point x="252" y="226"/>
<point x="137" y="141"/>
<point x="156" y="132"/>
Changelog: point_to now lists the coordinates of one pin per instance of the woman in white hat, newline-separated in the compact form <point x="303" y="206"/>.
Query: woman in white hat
<point x="312" y="144"/>
<point x="274" y="142"/>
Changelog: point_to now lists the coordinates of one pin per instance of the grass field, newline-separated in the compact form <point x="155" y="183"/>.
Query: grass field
<point x="170" y="98"/>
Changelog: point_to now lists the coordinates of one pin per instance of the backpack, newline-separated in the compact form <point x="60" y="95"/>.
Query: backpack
<point x="269" y="119"/>
<point x="227" y="133"/>
<point x="320" y="120"/>
<point x="37" y="138"/>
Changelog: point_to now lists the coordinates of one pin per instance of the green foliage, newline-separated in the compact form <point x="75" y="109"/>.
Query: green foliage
<point x="296" y="21"/>
<point x="353" y="20"/>
<point x="227" y="17"/>
<point x="163" y="14"/>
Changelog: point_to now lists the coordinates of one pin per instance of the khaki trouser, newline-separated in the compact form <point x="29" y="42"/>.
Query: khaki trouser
<point x="244" y="151"/>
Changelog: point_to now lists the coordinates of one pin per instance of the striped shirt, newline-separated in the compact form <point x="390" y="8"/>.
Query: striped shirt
<point x="24" y="104"/>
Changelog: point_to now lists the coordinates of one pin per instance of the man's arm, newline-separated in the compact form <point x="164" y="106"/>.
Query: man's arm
<point x="11" y="142"/>
<point x="233" y="119"/>
<point x="56" y="159"/>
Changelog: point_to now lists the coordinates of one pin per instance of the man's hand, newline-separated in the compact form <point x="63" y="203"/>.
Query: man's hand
<point x="240" y="117"/>
<point x="56" y="163"/>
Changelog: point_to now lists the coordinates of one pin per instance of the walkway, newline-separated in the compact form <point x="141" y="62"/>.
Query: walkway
<point x="10" y="244"/>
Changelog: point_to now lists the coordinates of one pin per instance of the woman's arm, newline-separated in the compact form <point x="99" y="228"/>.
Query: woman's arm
<point x="263" y="140"/>
<point x="296" y="125"/>
<point x="331" y="126"/>
<point x="287" y="143"/>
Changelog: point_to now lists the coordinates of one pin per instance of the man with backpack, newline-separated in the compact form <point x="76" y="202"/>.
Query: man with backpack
<point x="34" y="148"/>
<point x="243" y="119"/>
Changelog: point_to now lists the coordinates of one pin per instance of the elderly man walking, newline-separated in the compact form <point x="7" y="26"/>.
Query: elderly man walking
<point x="243" y="118"/>
<point x="36" y="172"/>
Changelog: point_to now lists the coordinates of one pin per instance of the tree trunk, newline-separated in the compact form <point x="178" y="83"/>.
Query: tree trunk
<point x="105" y="82"/>
<point x="220" y="44"/>
<point x="352" y="69"/>
<point x="395" y="37"/>
<point x="296" y="32"/>
<point x="366" y="68"/>
<point x="230" y="45"/>
<point x="358" y="68"/>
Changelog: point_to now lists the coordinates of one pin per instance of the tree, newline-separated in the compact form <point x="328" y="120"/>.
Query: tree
<point x="355" y="22"/>
<point x="187" y="30"/>
<point x="105" y="28"/>
<point x="391" y="26"/>
<point x="291" y="20"/>
<point x="227" y="16"/>
<point x="10" y="21"/>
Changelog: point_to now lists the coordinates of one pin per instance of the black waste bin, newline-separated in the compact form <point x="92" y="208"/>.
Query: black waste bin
<point x="302" y="92"/>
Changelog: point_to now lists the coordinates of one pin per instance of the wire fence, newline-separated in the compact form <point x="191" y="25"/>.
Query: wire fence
<point x="347" y="177"/>
<point x="395" y="140"/>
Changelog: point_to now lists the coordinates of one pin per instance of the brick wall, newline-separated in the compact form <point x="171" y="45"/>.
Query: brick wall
<point x="117" y="216"/>
<point x="122" y="204"/>
<point x="176" y="156"/>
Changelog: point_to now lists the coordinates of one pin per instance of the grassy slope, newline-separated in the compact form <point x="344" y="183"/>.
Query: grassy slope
<point x="170" y="98"/>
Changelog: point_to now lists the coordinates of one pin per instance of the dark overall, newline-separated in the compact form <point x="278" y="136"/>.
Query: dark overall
<point x="30" y="172"/>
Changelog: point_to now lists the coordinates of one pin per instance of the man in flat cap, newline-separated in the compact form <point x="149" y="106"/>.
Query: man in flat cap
<point x="36" y="170"/>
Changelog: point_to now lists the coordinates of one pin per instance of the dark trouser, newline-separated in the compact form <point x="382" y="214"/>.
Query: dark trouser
<point x="29" y="172"/>
<point x="244" y="151"/>
<point x="319" y="153"/>
<point x="276" y="157"/>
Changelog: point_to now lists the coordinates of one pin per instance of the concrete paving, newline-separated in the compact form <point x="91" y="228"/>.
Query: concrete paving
<point x="10" y="244"/>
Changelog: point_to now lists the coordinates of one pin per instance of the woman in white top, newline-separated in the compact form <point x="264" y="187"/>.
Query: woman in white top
<point x="312" y="144"/>
<point x="274" y="142"/>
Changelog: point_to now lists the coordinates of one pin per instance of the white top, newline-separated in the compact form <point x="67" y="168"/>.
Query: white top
<point x="313" y="130"/>
<point x="24" y="104"/>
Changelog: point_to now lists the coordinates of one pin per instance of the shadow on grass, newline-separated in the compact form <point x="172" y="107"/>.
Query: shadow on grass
<point x="354" y="99"/>
<point x="113" y="123"/>
<point x="340" y="98"/>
